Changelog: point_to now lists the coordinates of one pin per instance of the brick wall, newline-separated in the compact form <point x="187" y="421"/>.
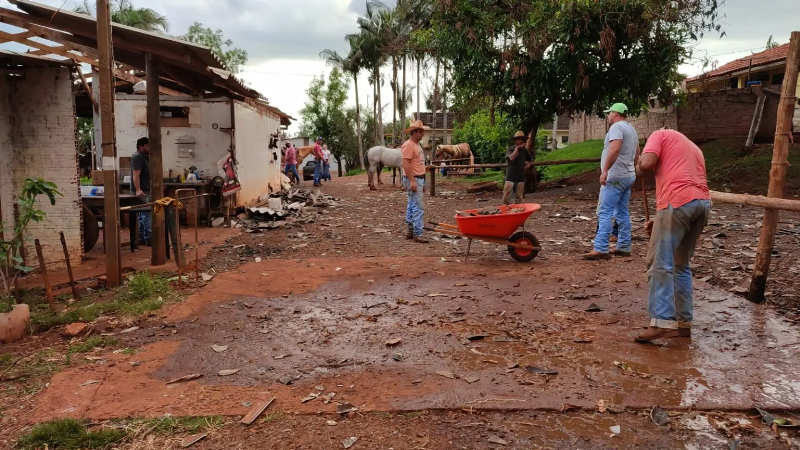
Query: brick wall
<point x="40" y="129"/>
<point x="585" y="127"/>
<point x="726" y="114"/>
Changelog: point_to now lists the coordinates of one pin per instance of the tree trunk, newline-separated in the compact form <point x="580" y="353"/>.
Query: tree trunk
<point x="339" y="164"/>
<point x="403" y="98"/>
<point x="419" y="104"/>
<point x="374" y="110"/>
<point x="444" y="107"/>
<point x="358" y="128"/>
<point x="531" y="176"/>
<point x="394" y="100"/>
<point x="381" y="133"/>
<point x="555" y="132"/>
<point x="434" y="104"/>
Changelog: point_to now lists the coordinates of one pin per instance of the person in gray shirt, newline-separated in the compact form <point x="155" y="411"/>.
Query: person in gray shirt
<point x="618" y="173"/>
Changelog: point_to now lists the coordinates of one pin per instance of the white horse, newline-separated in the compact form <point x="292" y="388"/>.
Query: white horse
<point x="379" y="157"/>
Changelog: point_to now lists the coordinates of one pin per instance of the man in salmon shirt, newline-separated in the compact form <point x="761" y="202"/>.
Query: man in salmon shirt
<point x="683" y="205"/>
<point x="414" y="181"/>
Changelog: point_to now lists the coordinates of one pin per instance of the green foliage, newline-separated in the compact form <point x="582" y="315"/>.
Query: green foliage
<point x="123" y="12"/>
<point x="354" y="172"/>
<point x="729" y="171"/>
<point x="587" y="149"/>
<point x="68" y="434"/>
<point x="86" y="181"/>
<point x="92" y="343"/>
<point x="10" y="261"/>
<point x="142" y="286"/>
<point x="232" y="58"/>
<point x="488" y="142"/>
<point x="85" y="129"/>
<point x="539" y="58"/>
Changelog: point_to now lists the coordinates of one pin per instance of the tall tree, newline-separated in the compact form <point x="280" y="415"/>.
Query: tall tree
<point x="371" y="28"/>
<point x="123" y="12"/>
<point x="570" y="56"/>
<point x="232" y="58"/>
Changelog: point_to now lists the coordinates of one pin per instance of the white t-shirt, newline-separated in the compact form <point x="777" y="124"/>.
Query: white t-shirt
<point x="326" y="155"/>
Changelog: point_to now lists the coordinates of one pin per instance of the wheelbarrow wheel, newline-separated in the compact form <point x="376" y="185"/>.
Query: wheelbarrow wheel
<point x="523" y="254"/>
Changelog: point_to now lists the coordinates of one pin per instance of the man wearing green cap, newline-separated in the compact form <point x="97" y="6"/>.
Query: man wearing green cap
<point x="618" y="172"/>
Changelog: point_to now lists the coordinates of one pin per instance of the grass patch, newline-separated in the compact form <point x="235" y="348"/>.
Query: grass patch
<point x="413" y="415"/>
<point x="68" y="434"/>
<point x="489" y="175"/>
<point x="187" y="424"/>
<point x="587" y="149"/>
<point x="354" y="172"/>
<point x="274" y="417"/>
<point x="142" y="294"/>
<point x="728" y="169"/>
<point x="91" y="344"/>
<point x="386" y="415"/>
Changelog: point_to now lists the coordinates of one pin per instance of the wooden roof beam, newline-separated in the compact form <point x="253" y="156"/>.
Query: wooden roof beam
<point x="134" y="79"/>
<point x="32" y="24"/>
<point x="51" y="50"/>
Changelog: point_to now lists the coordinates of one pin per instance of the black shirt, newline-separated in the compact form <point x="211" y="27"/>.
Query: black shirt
<point x="516" y="168"/>
<point x="141" y="162"/>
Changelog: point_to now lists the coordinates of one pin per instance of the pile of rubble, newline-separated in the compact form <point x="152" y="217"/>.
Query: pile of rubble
<point x="283" y="209"/>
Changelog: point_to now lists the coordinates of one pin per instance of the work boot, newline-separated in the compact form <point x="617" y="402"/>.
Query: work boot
<point x="685" y="329"/>
<point x="612" y="239"/>
<point x="410" y="231"/>
<point x="653" y="333"/>
<point x="421" y="239"/>
<point x="621" y="253"/>
<point x="595" y="256"/>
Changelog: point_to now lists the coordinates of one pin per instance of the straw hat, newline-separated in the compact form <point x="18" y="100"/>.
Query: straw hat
<point x="519" y="135"/>
<point x="415" y="125"/>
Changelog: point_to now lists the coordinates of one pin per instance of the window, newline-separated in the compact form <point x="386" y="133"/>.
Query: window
<point x="174" y="116"/>
<point x="733" y="83"/>
<point x="564" y="139"/>
<point x="777" y="78"/>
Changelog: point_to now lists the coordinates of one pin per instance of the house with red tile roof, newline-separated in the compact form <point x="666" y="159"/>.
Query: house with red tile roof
<point x="764" y="68"/>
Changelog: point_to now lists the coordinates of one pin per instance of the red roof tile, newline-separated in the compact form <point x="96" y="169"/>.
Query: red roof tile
<point x="772" y="55"/>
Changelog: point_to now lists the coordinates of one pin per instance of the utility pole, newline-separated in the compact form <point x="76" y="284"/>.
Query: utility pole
<point x="158" y="256"/>
<point x="109" y="146"/>
<point x="777" y="174"/>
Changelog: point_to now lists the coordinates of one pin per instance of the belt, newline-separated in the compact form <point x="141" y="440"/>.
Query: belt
<point x="420" y="177"/>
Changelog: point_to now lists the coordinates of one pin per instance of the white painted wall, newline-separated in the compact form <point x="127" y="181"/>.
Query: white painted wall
<point x="211" y="143"/>
<point x="37" y="139"/>
<point x="259" y="166"/>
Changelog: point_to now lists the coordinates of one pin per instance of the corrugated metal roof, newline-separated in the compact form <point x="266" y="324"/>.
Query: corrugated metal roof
<point x="11" y="59"/>
<point x="769" y="56"/>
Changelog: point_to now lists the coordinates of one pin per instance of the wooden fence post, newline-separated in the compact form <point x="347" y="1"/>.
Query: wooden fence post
<point x="47" y="289"/>
<point x="777" y="174"/>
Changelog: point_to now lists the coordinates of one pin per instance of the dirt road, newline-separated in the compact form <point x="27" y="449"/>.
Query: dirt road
<point x="437" y="350"/>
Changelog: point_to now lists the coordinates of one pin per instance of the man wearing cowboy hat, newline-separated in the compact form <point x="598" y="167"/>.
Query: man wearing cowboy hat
<point x="518" y="158"/>
<point x="414" y="181"/>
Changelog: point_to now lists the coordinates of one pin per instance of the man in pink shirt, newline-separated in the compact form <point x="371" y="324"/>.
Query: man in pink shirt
<point x="318" y="161"/>
<point x="290" y="159"/>
<point x="683" y="204"/>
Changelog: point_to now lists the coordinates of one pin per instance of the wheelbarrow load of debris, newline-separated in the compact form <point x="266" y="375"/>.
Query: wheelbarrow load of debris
<point x="496" y="224"/>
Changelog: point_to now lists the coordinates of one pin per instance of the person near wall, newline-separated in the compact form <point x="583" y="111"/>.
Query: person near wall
<point x="140" y="186"/>
<point x="618" y="173"/>
<point x="326" y="163"/>
<point x="318" y="157"/>
<point x="683" y="205"/>
<point x="291" y="162"/>
<point x="518" y="158"/>
<point x="414" y="181"/>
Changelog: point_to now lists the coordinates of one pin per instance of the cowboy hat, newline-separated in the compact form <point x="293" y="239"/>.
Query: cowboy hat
<point x="415" y="125"/>
<point x="519" y="135"/>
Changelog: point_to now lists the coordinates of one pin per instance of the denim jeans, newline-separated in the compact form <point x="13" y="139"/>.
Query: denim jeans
<point x="293" y="169"/>
<point x="517" y="188"/>
<point x="145" y="222"/>
<point x="326" y="171"/>
<point x="317" y="170"/>
<point x="415" y="209"/>
<point x="672" y="243"/>
<point x="613" y="204"/>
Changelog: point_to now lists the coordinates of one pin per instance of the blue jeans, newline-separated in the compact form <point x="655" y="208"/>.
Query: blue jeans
<point x="326" y="171"/>
<point x="672" y="243"/>
<point x="145" y="222"/>
<point x="317" y="170"/>
<point x="613" y="204"/>
<point x="293" y="169"/>
<point x="415" y="209"/>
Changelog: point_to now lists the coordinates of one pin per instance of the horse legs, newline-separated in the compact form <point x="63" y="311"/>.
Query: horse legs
<point x="380" y="169"/>
<point x="370" y="175"/>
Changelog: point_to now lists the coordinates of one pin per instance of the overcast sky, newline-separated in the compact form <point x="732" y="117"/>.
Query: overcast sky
<point x="284" y="37"/>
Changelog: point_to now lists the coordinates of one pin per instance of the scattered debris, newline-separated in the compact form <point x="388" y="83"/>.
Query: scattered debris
<point x="331" y="423"/>
<point x="615" y="429"/>
<point x="659" y="416"/>
<point x="504" y="339"/>
<point x="227" y="372"/>
<point x="446" y="374"/>
<point x="190" y="440"/>
<point x="483" y="186"/>
<point x="475" y="337"/>
<point x="219" y="348"/>
<point x="129" y="330"/>
<point x="471" y="379"/>
<point x="310" y="397"/>
<point x="206" y="277"/>
<point x="345" y="408"/>
<point x="539" y="370"/>
<point x="75" y="329"/>
<point x="394" y="341"/>
<point x="397" y="356"/>
<point x="626" y="369"/>
<point x="594" y="307"/>
<point x="496" y="440"/>
<point x="191" y="377"/>
<point x="287" y="380"/>
<point x="282" y="356"/>
<point x="256" y="411"/>
<point x="601" y="406"/>
<point x="89" y="382"/>
<point x="348" y="442"/>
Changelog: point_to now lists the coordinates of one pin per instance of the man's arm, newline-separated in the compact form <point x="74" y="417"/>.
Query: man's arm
<point x="514" y="154"/>
<point x="137" y="184"/>
<point x="407" y="170"/>
<point x="648" y="161"/>
<point x="613" y="153"/>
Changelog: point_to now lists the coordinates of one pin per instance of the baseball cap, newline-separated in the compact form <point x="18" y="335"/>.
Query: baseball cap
<point x="617" y="108"/>
<point x="319" y="138"/>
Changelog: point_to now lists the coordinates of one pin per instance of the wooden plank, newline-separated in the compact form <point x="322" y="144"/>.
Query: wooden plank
<point x="130" y="78"/>
<point x="45" y="279"/>
<point x="256" y="411"/>
<point x="158" y="256"/>
<point x="109" y="147"/>
<point x="777" y="175"/>
<point x="756" y="123"/>
<point x="756" y="200"/>
<point x="39" y="27"/>
<point x="88" y="89"/>
<point x="61" y="51"/>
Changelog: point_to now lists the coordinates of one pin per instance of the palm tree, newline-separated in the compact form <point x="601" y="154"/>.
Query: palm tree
<point x="123" y="12"/>
<point x="372" y="39"/>
<point x="350" y="64"/>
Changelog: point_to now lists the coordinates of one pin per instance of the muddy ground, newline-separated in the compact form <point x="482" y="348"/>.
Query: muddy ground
<point x="435" y="349"/>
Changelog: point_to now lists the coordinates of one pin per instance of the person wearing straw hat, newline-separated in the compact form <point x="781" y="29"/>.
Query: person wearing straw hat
<point x="618" y="173"/>
<point x="414" y="181"/>
<point x="518" y="158"/>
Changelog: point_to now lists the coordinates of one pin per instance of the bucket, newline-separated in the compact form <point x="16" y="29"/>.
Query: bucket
<point x="275" y="204"/>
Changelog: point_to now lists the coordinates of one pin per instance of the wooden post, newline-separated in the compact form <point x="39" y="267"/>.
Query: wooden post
<point x="43" y="267"/>
<point x="777" y="174"/>
<point x="433" y="181"/>
<point x="759" y="201"/>
<point x="158" y="256"/>
<point x="75" y="293"/>
<point x="756" y="123"/>
<point x="108" y="144"/>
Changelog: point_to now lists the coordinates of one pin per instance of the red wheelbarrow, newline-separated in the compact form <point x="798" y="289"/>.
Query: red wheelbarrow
<point x="500" y="228"/>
